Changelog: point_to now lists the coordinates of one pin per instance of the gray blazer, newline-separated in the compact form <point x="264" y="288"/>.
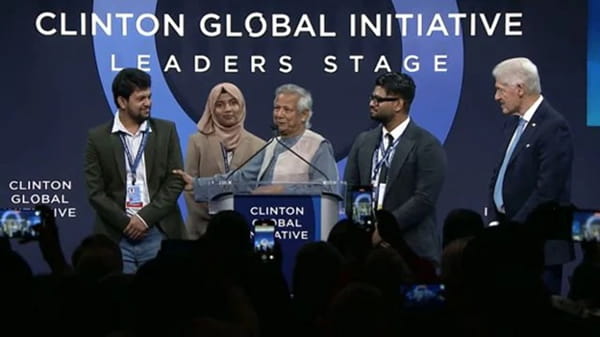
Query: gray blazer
<point x="415" y="179"/>
<point x="105" y="177"/>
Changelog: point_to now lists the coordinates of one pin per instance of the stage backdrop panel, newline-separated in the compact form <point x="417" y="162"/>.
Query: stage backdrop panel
<point x="60" y="58"/>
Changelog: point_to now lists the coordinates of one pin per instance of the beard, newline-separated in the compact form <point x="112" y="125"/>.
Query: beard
<point x="380" y="118"/>
<point x="141" y="117"/>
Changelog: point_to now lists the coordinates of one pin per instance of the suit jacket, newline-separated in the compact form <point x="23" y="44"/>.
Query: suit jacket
<point x="538" y="171"/>
<point x="106" y="178"/>
<point x="204" y="158"/>
<point x="415" y="178"/>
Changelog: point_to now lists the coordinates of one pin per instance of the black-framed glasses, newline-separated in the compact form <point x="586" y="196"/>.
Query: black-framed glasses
<point x="379" y="99"/>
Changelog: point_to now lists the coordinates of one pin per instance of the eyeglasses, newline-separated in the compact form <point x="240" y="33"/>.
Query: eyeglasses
<point x="378" y="99"/>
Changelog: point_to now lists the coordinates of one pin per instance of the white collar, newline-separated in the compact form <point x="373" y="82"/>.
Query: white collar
<point x="528" y="115"/>
<point x="397" y="131"/>
<point x="119" y="127"/>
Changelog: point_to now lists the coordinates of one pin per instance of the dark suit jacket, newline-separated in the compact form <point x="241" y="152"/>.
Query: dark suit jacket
<point x="539" y="169"/>
<point x="415" y="179"/>
<point x="105" y="176"/>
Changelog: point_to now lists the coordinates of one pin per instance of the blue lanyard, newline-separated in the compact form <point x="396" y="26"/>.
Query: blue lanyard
<point x="134" y="163"/>
<point x="384" y="159"/>
<point x="225" y="159"/>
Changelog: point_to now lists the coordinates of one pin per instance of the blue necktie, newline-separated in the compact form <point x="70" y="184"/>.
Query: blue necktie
<point x="498" y="199"/>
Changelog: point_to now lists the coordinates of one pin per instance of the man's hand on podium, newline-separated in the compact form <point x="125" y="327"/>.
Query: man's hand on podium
<point x="188" y="179"/>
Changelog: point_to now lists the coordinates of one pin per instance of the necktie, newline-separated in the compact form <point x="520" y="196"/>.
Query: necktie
<point x="384" y="167"/>
<point x="498" y="198"/>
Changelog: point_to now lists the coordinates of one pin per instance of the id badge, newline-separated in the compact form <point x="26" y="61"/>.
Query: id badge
<point x="134" y="197"/>
<point x="380" y="194"/>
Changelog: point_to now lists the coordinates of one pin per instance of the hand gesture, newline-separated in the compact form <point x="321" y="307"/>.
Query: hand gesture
<point x="135" y="229"/>
<point x="188" y="179"/>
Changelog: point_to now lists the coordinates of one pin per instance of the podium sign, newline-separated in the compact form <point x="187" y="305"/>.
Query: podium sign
<point x="297" y="219"/>
<point x="305" y="213"/>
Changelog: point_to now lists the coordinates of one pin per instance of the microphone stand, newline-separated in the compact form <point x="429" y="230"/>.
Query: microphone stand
<point x="230" y="174"/>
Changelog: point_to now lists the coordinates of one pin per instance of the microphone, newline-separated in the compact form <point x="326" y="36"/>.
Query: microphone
<point x="275" y="130"/>
<point x="251" y="157"/>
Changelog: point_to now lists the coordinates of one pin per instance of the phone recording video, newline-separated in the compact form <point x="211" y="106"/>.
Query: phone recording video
<point x="264" y="239"/>
<point x="423" y="296"/>
<point x="362" y="206"/>
<point x="20" y="223"/>
<point x="586" y="226"/>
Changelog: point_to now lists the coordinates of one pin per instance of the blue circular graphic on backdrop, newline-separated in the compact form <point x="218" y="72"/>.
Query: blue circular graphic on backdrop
<point x="434" y="108"/>
<point x="341" y="107"/>
<point x="126" y="50"/>
<point x="437" y="96"/>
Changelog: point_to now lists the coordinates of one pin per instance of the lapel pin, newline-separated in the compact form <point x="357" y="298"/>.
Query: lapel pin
<point x="527" y="145"/>
<point x="533" y="125"/>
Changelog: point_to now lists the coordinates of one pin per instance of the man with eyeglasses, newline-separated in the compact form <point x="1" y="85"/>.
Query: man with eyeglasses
<point x="404" y="164"/>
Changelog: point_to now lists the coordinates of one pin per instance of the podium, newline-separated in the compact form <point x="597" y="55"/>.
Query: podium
<point x="302" y="213"/>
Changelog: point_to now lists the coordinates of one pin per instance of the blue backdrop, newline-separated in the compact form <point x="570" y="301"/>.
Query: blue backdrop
<point x="61" y="56"/>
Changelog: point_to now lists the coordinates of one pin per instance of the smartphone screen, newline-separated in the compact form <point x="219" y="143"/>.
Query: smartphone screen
<point x="264" y="239"/>
<point x="20" y="223"/>
<point x="423" y="296"/>
<point x="362" y="206"/>
<point x="586" y="225"/>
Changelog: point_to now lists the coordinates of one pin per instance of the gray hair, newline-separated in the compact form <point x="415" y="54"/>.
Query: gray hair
<point x="518" y="70"/>
<point x="305" y="101"/>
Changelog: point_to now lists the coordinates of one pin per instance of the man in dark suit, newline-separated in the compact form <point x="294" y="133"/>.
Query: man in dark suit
<point x="128" y="166"/>
<point x="535" y="164"/>
<point x="403" y="163"/>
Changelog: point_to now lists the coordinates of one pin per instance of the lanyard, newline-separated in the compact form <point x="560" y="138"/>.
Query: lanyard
<point x="134" y="163"/>
<point x="384" y="157"/>
<point x="225" y="158"/>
